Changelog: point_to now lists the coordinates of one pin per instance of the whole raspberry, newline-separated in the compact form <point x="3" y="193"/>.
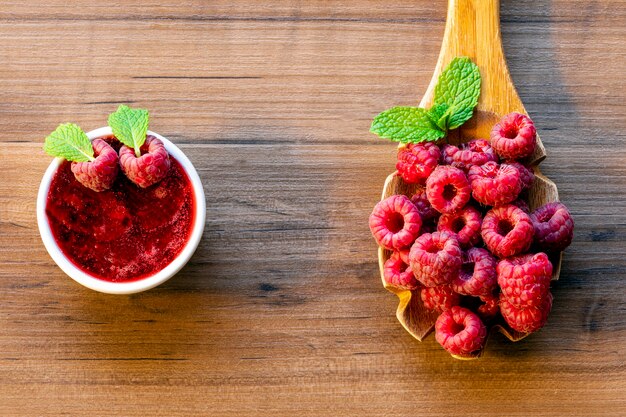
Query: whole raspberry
<point x="490" y="307"/>
<point x="507" y="231"/>
<point x="522" y="204"/>
<point x="427" y="212"/>
<point x="435" y="258"/>
<point x="477" y="275"/>
<point x="493" y="184"/>
<point x="99" y="174"/>
<point x="404" y="254"/>
<point x="447" y="189"/>
<point x="440" y="298"/>
<point x="526" y="175"/>
<point x="525" y="280"/>
<point x="460" y="332"/>
<point x="514" y="137"/>
<point x="417" y="161"/>
<point x="527" y="319"/>
<point x="398" y="274"/>
<point x="465" y="224"/>
<point x="151" y="167"/>
<point x="554" y="227"/>
<point x="395" y="222"/>
<point x="475" y="152"/>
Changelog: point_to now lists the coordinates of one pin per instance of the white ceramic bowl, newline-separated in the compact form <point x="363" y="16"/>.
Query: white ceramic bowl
<point x="133" y="286"/>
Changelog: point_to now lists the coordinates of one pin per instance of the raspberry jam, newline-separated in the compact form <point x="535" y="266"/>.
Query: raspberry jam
<point x="125" y="233"/>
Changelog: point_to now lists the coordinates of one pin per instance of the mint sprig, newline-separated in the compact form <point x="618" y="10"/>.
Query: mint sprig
<point x="130" y="126"/>
<point x="456" y="96"/>
<point x="68" y="141"/>
<point x="439" y="114"/>
<point x="406" y="124"/>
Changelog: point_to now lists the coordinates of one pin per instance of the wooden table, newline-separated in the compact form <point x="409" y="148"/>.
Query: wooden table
<point x="281" y="310"/>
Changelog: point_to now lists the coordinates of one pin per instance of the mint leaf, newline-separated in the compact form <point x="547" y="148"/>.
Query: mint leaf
<point x="406" y="124"/>
<point x="461" y="116"/>
<point x="456" y="96"/>
<point x="130" y="126"/>
<point x="459" y="88"/>
<point x="439" y="115"/>
<point x="68" y="141"/>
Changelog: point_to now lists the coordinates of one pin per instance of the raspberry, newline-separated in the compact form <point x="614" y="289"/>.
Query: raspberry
<point x="460" y="332"/>
<point x="435" y="258"/>
<point x="151" y="167"/>
<point x="525" y="280"/>
<point x="554" y="227"/>
<point x="528" y="319"/>
<point x="447" y="189"/>
<point x="475" y="152"/>
<point x="440" y="298"/>
<point x="427" y="212"/>
<point x="99" y="174"/>
<point x="490" y="307"/>
<point x="398" y="273"/>
<point x="507" y="231"/>
<point x="526" y="175"/>
<point x="514" y="137"/>
<point x="493" y="184"/>
<point x="477" y="275"/>
<point x="465" y="224"/>
<point x="417" y="161"/>
<point x="522" y="204"/>
<point x="404" y="254"/>
<point x="395" y="222"/>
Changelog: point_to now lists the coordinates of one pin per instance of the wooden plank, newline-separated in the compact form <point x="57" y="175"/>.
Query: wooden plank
<point x="306" y="320"/>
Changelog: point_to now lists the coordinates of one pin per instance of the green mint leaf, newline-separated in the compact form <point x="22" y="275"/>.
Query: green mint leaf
<point x="439" y="115"/>
<point x="406" y="124"/>
<point x="130" y="126"/>
<point x="68" y="141"/>
<point x="461" y="116"/>
<point x="459" y="88"/>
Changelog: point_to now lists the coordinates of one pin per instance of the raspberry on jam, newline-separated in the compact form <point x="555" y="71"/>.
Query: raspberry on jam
<point x="100" y="173"/>
<point x="148" y="169"/>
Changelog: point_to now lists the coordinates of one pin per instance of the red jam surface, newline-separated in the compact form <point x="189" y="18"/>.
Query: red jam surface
<point x="125" y="233"/>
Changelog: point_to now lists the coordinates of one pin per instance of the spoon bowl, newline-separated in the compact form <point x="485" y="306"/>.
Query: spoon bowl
<point x="472" y="30"/>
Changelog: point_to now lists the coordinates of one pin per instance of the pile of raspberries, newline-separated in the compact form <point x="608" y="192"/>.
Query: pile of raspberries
<point x="467" y="241"/>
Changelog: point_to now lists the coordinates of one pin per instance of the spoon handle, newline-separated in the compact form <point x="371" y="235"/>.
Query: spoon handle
<point x="473" y="30"/>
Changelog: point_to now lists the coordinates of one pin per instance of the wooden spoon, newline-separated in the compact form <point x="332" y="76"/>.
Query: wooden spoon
<point x="472" y="30"/>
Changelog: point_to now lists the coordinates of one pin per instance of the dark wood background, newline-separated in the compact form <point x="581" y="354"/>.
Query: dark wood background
<point x="281" y="310"/>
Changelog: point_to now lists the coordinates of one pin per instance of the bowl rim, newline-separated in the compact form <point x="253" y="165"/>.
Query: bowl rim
<point x="143" y="284"/>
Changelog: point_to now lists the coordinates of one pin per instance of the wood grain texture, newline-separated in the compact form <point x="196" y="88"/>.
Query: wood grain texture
<point x="281" y="309"/>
